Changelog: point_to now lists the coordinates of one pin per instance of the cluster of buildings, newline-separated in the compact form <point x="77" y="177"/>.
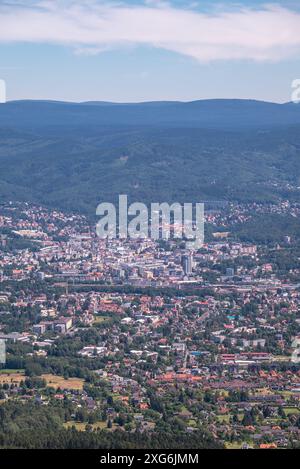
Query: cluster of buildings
<point x="205" y="337"/>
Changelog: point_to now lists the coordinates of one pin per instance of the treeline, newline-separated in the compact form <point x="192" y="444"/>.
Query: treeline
<point x="149" y="291"/>
<point x="73" y="439"/>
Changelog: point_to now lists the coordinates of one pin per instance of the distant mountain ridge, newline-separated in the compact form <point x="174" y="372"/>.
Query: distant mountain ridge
<point x="218" y="113"/>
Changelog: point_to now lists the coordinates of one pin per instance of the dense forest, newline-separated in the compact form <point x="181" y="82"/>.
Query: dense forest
<point x="76" y="156"/>
<point x="33" y="426"/>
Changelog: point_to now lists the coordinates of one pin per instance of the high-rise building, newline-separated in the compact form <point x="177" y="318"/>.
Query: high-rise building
<point x="230" y="272"/>
<point x="187" y="263"/>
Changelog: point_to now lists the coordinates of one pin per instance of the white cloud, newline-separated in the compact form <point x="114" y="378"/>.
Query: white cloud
<point x="270" y="33"/>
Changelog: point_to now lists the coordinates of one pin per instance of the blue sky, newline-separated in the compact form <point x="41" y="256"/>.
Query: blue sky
<point x="152" y="50"/>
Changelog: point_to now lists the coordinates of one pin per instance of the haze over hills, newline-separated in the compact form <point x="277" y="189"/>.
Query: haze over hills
<point x="205" y="114"/>
<point x="74" y="156"/>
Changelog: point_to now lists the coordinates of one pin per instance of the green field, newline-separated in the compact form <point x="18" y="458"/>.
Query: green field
<point x="101" y="319"/>
<point x="9" y="372"/>
<point x="291" y="410"/>
<point x="80" y="426"/>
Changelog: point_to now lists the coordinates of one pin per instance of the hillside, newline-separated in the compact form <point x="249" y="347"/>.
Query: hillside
<point x="74" y="156"/>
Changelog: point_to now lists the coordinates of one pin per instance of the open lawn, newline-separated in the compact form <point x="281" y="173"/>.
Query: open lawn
<point x="234" y="445"/>
<point x="101" y="319"/>
<point x="80" y="426"/>
<point x="11" y="377"/>
<point x="224" y="419"/>
<point x="8" y="371"/>
<point x="291" y="410"/>
<point x="54" y="381"/>
<point x="282" y="358"/>
<point x="16" y="376"/>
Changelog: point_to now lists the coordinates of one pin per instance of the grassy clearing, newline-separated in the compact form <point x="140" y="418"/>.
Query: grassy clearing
<point x="291" y="410"/>
<point x="56" y="382"/>
<point x="234" y="445"/>
<point x="80" y="426"/>
<point x="11" y="377"/>
<point x="101" y="319"/>
<point x="16" y="376"/>
<point x="223" y="418"/>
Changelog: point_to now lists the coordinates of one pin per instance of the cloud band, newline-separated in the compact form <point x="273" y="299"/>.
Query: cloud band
<point x="270" y="33"/>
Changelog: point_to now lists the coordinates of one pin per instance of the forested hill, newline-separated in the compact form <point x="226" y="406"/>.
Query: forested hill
<point x="73" y="156"/>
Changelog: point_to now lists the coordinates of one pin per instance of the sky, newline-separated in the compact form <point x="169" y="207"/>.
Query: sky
<point x="131" y="51"/>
